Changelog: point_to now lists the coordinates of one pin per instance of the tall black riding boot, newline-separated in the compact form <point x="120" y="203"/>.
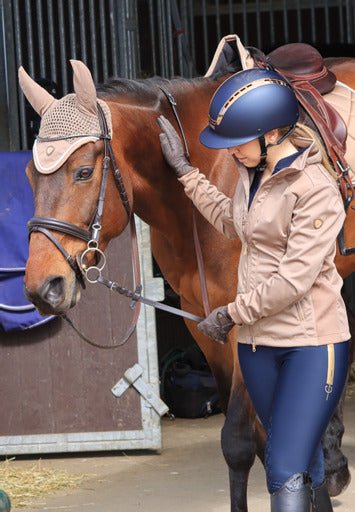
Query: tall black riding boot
<point x="294" y="496"/>
<point x="321" y="500"/>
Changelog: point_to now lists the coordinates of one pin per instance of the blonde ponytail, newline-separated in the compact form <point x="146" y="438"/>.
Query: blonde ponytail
<point x="303" y="131"/>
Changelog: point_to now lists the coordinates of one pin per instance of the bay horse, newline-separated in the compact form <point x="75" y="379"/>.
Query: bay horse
<point x="155" y="195"/>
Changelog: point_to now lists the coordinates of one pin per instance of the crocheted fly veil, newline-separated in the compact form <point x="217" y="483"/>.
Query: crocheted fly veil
<point x="67" y="123"/>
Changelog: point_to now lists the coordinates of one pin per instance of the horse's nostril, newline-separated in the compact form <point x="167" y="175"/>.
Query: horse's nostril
<point x="52" y="291"/>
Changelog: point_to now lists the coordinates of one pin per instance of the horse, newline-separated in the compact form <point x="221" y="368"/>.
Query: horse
<point x="154" y="194"/>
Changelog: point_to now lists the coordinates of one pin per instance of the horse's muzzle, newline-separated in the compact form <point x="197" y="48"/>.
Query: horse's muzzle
<point x="54" y="297"/>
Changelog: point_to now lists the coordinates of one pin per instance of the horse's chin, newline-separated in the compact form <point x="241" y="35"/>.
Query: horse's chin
<point x="76" y="295"/>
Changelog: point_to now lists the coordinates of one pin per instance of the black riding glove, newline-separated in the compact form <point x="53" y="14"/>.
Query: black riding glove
<point x="172" y="148"/>
<point x="217" y="325"/>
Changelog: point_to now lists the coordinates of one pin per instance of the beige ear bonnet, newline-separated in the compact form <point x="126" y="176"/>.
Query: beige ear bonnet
<point x="67" y="123"/>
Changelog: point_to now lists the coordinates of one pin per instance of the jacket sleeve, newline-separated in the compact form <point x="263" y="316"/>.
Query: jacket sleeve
<point x="215" y="206"/>
<point x="316" y="221"/>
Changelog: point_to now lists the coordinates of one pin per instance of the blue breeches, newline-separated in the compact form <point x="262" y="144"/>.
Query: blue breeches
<point x="294" y="391"/>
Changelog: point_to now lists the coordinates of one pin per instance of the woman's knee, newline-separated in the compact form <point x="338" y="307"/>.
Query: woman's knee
<point x="282" y="465"/>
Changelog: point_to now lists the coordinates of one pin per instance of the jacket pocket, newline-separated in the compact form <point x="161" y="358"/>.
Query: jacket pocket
<point x="300" y="311"/>
<point x="284" y="325"/>
<point x="305" y="312"/>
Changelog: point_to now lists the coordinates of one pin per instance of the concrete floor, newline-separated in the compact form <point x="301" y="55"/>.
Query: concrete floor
<point x="189" y="475"/>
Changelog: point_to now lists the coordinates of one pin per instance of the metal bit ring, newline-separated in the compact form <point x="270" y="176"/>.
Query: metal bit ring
<point x="93" y="268"/>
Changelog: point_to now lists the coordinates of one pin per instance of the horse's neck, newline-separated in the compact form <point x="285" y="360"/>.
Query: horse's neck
<point x="158" y="196"/>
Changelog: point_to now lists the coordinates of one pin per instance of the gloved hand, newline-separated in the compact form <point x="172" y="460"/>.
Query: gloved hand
<point x="217" y="325"/>
<point x="172" y="148"/>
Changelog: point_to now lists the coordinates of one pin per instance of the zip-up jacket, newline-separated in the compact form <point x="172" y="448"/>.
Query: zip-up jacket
<point x="288" y="287"/>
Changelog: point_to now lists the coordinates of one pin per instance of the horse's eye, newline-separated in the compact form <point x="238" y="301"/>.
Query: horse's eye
<point x="83" y="173"/>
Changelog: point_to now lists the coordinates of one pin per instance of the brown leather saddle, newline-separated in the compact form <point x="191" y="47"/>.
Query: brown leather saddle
<point x="304" y="67"/>
<point x="300" y="61"/>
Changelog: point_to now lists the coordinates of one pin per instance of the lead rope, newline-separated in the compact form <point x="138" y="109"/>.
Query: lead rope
<point x="197" y="245"/>
<point x="135" y="304"/>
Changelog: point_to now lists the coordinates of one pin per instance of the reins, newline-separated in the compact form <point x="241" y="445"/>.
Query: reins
<point x="197" y="245"/>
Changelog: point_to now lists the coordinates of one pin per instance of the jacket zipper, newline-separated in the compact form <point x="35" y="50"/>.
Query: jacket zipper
<point x="253" y="343"/>
<point x="245" y="252"/>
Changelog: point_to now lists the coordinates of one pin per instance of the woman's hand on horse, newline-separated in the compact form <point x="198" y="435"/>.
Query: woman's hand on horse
<point x="172" y="148"/>
<point x="217" y="325"/>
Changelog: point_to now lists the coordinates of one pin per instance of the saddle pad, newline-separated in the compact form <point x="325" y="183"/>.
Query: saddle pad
<point x="342" y="98"/>
<point x="16" y="208"/>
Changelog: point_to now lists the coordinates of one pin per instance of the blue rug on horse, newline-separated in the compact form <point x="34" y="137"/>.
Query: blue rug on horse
<point x="16" y="208"/>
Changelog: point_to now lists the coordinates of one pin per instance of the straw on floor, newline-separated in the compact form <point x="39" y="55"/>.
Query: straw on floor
<point x="25" y="485"/>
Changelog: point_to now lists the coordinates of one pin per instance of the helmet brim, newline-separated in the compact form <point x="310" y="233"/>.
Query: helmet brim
<point x="212" y="140"/>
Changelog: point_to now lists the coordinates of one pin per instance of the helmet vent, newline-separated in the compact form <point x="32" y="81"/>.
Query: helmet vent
<point x="240" y="92"/>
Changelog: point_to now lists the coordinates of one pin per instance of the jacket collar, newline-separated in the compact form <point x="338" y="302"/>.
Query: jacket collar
<point x="310" y="156"/>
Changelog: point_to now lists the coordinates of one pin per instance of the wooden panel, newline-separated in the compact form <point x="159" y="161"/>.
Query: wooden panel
<point x="53" y="382"/>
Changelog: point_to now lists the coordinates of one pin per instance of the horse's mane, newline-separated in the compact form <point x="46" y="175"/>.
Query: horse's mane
<point x="145" y="89"/>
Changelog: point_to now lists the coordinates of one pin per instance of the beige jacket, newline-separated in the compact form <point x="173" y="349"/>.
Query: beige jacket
<point x="288" y="286"/>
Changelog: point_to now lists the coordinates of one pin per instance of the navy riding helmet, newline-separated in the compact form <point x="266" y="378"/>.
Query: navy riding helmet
<point x="246" y="106"/>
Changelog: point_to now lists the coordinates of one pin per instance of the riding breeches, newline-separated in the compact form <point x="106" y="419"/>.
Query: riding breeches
<point x="294" y="390"/>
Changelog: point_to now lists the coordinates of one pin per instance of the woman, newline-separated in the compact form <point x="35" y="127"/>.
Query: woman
<point x="292" y="324"/>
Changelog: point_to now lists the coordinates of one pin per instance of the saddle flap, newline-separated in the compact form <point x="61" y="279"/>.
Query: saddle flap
<point x="334" y="124"/>
<point x="300" y="61"/>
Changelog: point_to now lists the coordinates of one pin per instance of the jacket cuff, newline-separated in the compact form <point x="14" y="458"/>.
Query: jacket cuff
<point x="193" y="173"/>
<point x="233" y="312"/>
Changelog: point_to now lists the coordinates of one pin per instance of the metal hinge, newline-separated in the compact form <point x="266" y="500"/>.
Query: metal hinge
<point x="133" y="376"/>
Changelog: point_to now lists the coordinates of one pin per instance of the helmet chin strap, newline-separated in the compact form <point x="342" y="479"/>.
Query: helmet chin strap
<point x="263" y="147"/>
<point x="263" y="154"/>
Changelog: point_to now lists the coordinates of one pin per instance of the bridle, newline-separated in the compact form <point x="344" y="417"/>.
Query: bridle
<point x="92" y="235"/>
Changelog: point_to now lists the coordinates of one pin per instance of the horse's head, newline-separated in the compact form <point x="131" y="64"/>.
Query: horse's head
<point x="76" y="209"/>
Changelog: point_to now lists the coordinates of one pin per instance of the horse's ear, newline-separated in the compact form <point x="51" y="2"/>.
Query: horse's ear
<point x="84" y="86"/>
<point x="39" y="98"/>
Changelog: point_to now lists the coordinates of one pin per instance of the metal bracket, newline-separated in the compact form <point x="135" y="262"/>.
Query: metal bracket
<point x="133" y="377"/>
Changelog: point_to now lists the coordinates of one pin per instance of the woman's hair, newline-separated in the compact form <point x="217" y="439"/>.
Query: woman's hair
<point x="303" y="131"/>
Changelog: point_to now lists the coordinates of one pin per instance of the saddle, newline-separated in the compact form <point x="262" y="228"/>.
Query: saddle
<point x="311" y="79"/>
<point x="299" y="61"/>
<point x="304" y="67"/>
